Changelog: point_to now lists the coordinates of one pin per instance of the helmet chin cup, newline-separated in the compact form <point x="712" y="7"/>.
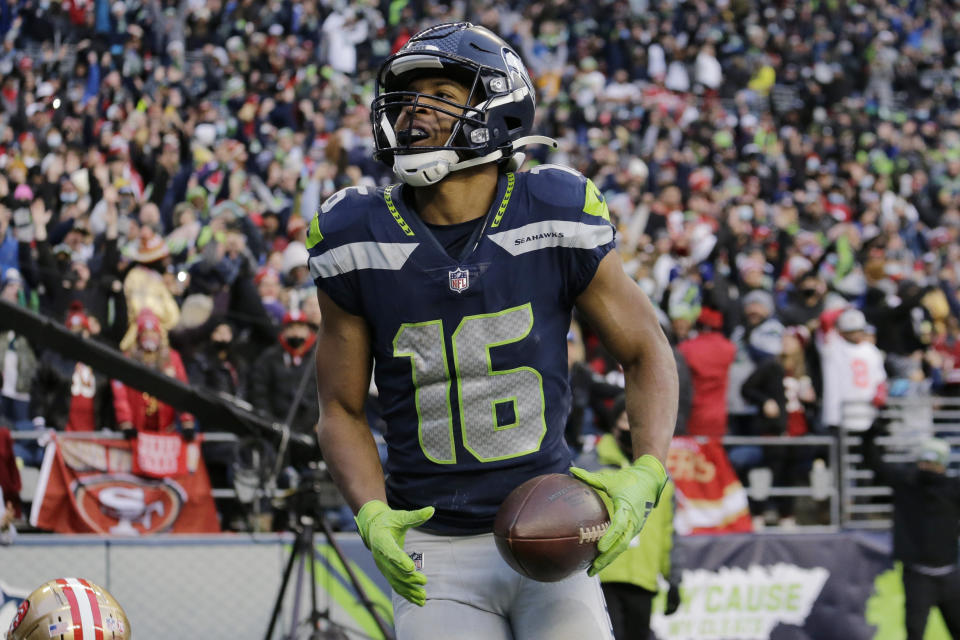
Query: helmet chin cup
<point x="425" y="168"/>
<point x="430" y="167"/>
<point x="516" y="161"/>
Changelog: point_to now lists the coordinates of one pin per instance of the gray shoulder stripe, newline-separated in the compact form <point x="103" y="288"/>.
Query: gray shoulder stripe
<point x="389" y="256"/>
<point x="553" y="233"/>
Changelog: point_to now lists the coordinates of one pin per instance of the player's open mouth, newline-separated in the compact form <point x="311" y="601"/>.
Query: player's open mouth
<point x="411" y="136"/>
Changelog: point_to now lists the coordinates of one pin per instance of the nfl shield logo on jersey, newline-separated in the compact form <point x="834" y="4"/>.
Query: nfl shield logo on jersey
<point x="459" y="280"/>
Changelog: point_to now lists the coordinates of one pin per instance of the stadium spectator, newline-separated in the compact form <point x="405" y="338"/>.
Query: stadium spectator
<point x="137" y="410"/>
<point x="217" y="366"/>
<point x="345" y="29"/>
<point x="709" y="355"/>
<point x="926" y="524"/>
<point x="146" y="290"/>
<point x="9" y="253"/>
<point x="65" y="271"/>
<point x="268" y="284"/>
<point x="590" y="393"/>
<point x="284" y="371"/>
<point x="67" y="394"/>
<point x="805" y="299"/>
<point x="19" y="370"/>
<point x="757" y="338"/>
<point x="785" y="397"/>
<point x="854" y="378"/>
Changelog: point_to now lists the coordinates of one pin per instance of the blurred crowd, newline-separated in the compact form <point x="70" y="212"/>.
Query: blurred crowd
<point x="767" y="166"/>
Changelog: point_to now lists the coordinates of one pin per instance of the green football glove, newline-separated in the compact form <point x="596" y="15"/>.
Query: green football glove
<point x="634" y="492"/>
<point x="383" y="530"/>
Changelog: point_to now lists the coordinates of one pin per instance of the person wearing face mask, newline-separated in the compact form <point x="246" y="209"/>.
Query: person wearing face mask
<point x="280" y="370"/>
<point x="138" y="410"/>
<point x="805" y="301"/>
<point x="54" y="140"/>
<point x="68" y="191"/>
<point x="217" y="366"/>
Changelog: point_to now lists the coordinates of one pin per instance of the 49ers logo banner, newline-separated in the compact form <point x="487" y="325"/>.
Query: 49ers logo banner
<point x="97" y="486"/>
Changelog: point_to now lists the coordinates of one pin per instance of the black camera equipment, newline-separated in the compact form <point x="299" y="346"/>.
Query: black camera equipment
<point x="305" y="504"/>
<point x="315" y="492"/>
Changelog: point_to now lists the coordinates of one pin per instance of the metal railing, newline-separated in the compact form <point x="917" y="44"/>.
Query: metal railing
<point x="822" y="481"/>
<point x="855" y="500"/>
<point x="863" y="503"/>
<point x="827" y="489"/>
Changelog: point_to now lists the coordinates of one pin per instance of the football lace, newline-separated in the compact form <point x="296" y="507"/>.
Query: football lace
<point x="592" y="534"/>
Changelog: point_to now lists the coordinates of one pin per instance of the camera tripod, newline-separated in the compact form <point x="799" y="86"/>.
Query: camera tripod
<point x="315" y="491"/>
<point x="302" y="553"/>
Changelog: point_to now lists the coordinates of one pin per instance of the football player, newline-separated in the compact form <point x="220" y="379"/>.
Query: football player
<point x="69" y="608"/>
<point x="456" y="287"/>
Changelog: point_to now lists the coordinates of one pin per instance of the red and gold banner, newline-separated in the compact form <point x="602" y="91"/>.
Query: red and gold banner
<point x="92" y="486"/>
<point x="710" y="498"/>
<point x="163" y="455"/>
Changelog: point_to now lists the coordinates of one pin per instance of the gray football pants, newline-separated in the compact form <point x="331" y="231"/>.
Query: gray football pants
<point x="472" y="594"/>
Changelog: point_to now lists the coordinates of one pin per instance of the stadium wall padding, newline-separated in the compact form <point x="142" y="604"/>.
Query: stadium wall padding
<point x="736" y="587"/>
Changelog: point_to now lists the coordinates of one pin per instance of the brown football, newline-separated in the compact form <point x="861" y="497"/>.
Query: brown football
<point x="547" y="529"/>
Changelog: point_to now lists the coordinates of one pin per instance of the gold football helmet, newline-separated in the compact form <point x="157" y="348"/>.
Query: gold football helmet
<point x="71" y="609"/>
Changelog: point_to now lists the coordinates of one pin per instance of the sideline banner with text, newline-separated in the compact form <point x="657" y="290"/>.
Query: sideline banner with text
<point x="788" y="587"/>
<point x="93" y="486"/>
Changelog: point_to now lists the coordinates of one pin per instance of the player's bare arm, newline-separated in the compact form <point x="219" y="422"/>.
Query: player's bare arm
<point x="627" y="325"/>
<point x="343" y="379"/>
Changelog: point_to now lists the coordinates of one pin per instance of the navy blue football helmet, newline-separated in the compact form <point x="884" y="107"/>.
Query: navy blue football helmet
<point x="490" y="127"/>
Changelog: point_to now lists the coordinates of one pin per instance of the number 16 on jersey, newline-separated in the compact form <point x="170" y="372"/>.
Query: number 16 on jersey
<point x="501" y="411"/>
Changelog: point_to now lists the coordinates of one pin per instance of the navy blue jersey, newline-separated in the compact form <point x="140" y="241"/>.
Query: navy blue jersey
<point x="470" y="355"/>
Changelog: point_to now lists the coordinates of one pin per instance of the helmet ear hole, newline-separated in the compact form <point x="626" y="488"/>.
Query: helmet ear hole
<point x="512" y="123"/>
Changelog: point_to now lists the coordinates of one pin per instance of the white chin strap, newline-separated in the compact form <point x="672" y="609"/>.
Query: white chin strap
<point x="430" y="167"/>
